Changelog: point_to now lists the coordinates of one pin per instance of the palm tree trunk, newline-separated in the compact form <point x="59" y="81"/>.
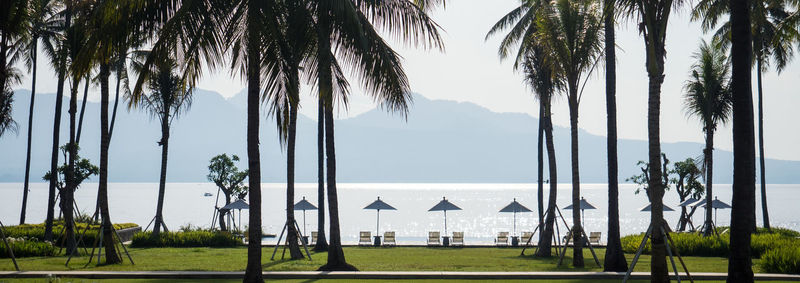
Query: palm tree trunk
<point x="102" y="192"/>
<point x="577" y="237"/>
<point x="83" y="110"/>
<point x="614" y="257"/>
<point x="545" y="241"/>
<point x="291" y="237"/>
<point x="322" y="242"/>
<point x="336" y="259"/>
<point x="162" y="181"/>
<point x="253" y="271"/>
<point x="658" y="264"/>
<point x="68" y="192"/>
<point x="540" y="169"/>
<point x="116" y="102"/>
<point x="744" y="168"/>
<point x="764" y="211"/>
<point x="51" y="197"/>
<point x="30" y="135"/>
<point x="709" y="155"/>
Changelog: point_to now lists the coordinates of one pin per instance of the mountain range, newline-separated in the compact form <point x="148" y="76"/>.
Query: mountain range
<point x="439" y="141"/>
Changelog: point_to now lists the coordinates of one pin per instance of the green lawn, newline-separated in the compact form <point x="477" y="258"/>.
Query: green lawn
<point x="365" y="258"/>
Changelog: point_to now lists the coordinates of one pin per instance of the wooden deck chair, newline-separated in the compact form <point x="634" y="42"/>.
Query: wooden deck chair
<point x="365" y="238"/>
<point x="502" y="239"/>
<point x="526" y="236"/>
<point x="458" y="239"/>
<point x="433" y="238"/>
<point x="314" y="235"/>
<point x="594" y="238"/>
<point x="388" y="238"/>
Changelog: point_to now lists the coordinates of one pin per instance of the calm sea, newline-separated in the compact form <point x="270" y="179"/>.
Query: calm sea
<point x="186" y="204"/>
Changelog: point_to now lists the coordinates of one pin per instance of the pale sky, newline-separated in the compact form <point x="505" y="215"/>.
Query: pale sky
<point x="469" y="70"/>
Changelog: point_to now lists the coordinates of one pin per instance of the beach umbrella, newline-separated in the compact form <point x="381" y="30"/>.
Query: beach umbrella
<point x="715" y="204"/>
<point x="515" y="207"/>
<point x="444" y="205"/>
<point x="239" y="205"/>
<point x="689" y="202"/>
<point x="304" y="205"/>
<point x="647" y="208"/>
<point x="378" y="205"/>
<point x="584" y="205"/>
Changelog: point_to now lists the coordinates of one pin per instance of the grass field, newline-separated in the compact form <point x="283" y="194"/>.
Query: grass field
<point x="365" y="258"/>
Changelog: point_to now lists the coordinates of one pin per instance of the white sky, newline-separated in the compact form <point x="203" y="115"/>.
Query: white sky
<point x="469" y="70"/>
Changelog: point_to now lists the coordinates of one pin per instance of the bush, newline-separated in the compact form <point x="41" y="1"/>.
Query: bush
<point x="693" y="244"/>
<point x="781" y="260"/>
<point x="36" y="232"/>
<point x="27" y="247"/>
<point x="186" y="239"/>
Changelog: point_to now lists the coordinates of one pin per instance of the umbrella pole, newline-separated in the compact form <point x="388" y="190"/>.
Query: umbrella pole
<point x="583" y="218"/>
<point x="515" y="222"/>
<point x="304" y="222"/>
<point x="445" y="222"/>
<point x="378" y="224"/>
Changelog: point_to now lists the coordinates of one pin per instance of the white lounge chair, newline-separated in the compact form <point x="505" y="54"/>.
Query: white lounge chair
<point x="314" y="237"/>
<point x="388" y="238"/>
<point x="365" y="238"/>
<point x="433" y="238"/>
<point x="594" y="238"/>
<point x="526" y="236"/>
<point x="502" y="239"/>
<point x="458" y="239"/>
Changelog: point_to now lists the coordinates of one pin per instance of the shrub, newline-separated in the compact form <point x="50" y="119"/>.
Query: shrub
<point x="781" y="260"/>
<point x="27" y="247"/>
<point x="692" y="244"/>
<point x="36" y="231"/>
<point x="186" y="239"/>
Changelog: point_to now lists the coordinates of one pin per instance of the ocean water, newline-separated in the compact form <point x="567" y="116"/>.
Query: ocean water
<point x="479" y="218"/>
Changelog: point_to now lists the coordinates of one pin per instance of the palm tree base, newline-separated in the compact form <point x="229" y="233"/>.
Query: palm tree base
<point x="337" y="267"/>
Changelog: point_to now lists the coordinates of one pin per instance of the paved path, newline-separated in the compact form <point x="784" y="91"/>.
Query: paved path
<point x="369" y="275"/>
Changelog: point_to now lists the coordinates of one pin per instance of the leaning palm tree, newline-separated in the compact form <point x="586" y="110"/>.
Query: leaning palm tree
<point x="708" y="98"/>
<point x="168" y="99"/>
<point x="740" y="265"/>
<point x="351" y="30"/>
<point x="322" y="242"/>
<point x="653" y="17"/>
<point x="773" y="34"/>
<point x="42" y="27"/>
<point x="614" y="259"/>
<point x="522" y="23"/>
<point x="570" y="33"/>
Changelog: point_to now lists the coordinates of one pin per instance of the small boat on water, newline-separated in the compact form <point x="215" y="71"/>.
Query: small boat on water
<point x="207" y="194"/>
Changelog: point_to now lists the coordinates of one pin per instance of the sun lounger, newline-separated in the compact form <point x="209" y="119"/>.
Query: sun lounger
<point x="526" y="236"/>
<point x="365" y="238"/>
<point x="594" y="238"/>
<point x="433" y="239"/>
<point x="314" y="238"/>
<point x="458" y="239"/>
<point x="502" y="239"/>
<point x="388" y="238"/>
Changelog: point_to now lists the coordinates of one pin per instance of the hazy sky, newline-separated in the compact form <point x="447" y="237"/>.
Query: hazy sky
<point x="469" y="70"/>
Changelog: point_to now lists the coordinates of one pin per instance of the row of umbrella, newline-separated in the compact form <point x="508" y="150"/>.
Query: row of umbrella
<point x="514" y="207"/>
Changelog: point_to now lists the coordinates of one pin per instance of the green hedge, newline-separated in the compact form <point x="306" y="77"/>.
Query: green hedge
<point x="781" y="260"/>
<point x="26" y="248"/>
<point x="186" y="239"/>
<point x="693" y="244"/>
<point x="36" y="231"/>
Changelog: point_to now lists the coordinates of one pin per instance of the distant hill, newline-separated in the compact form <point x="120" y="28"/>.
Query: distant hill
<point x="441" y="141"/>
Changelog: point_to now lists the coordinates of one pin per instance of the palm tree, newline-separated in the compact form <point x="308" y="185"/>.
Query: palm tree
<point x="348" y="26"/>
<point x="708" y="98"/>
<point x="614" y="257"/>
<point x="570" y="34"/>
<point x="42" y="23"/>
<point x="653" y="17"/>
<point x="13" y="31"/>
<point x="322" y="242"/>
<point x="521" y="22"/>
<point x="168" y="99"/>
<point x="740" y="268"/>
<point x="772" y="43"/>
<point x="200" y="31"/>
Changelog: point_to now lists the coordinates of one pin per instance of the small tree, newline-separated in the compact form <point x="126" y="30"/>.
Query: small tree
<point x="643" y="180"/>
<point x="687" y="185"/>
<point x="224" y="173"/>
